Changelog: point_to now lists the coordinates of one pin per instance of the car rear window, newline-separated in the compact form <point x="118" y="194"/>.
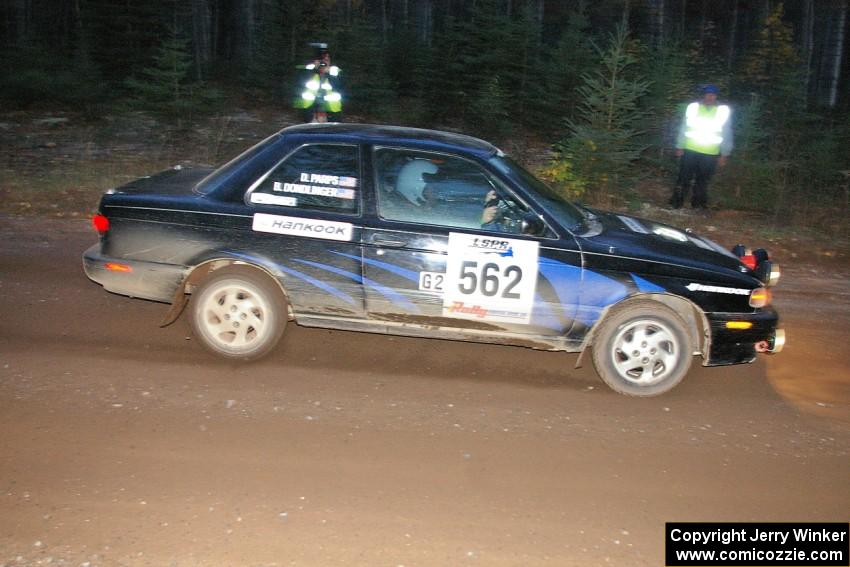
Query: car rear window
<point x="324" y="177"/>
<point x="223" y="173"/>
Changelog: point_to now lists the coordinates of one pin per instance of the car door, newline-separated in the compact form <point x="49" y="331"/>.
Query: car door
<point x="448" y="250"/>
<point x="306" y="218"/>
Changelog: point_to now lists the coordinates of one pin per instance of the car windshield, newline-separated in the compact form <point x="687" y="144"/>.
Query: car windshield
<point x="567" y="214"/>
<point x="213" y="180"/>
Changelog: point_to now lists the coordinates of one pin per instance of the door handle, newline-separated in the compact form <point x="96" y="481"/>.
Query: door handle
<point x="388" y="242"/>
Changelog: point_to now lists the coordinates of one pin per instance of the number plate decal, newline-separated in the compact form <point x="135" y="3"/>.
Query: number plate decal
<point x="431" y="281"/>
<point x="490" y="278"/>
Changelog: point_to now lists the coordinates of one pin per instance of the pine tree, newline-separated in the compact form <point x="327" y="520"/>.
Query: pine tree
<point x="604" y="138"/>
<point x="163" y="83"/>
<point x="166" y="86"/>
<point x="492" y="106"/>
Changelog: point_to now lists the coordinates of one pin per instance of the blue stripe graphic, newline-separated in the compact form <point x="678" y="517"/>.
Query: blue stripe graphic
<point x="646" y="286"/>
<point x="598" y="292"/>
<point x="565" y="279"/>
<point x="383" y="290"/>
<point x="319" y="284"/>
<point x="405" y="273"/>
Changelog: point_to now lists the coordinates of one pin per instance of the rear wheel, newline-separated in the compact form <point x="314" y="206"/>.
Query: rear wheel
<point x="642" y="349"/>
<point x="238" y="313"/>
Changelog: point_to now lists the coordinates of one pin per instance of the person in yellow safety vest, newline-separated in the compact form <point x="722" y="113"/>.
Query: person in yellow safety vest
<point x="704" y="142"/>
<point x="320" y="86"/>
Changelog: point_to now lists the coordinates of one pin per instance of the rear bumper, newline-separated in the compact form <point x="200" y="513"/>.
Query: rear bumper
<point x="147" y="280"/>
<point x="735" y="346"/>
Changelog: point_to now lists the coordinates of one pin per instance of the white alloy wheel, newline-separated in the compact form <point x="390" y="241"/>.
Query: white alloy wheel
<point x="642" y="349"/>
<point x="645" y="352"/>
<point x="238" y="313"/>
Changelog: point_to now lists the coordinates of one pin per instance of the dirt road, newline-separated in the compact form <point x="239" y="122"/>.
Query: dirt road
<point x="126" y="444"/>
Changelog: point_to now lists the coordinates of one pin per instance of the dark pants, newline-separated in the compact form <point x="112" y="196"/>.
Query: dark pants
<point x="695" y="168"/>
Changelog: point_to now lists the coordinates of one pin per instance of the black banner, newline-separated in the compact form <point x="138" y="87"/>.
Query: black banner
<point x="692" y="544"/>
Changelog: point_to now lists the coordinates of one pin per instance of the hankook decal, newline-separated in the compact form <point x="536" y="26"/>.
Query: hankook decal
<point x="328" y="230"/>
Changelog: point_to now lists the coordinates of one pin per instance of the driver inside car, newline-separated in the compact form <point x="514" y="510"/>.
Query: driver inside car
<point x="500" y="215"/>
<point x="414" y="198"/>
<point x="423" y="192"/>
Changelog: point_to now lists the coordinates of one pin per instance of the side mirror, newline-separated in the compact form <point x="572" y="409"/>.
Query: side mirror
<point x="532" y="225"/>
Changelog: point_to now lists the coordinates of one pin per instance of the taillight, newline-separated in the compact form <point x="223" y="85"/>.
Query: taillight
<point x="759" y="297"/>
<point x="100" y="223"/>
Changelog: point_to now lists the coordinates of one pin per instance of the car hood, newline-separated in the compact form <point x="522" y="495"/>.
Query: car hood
<point x="634" y="237"/>
<point x="178" y="180"/>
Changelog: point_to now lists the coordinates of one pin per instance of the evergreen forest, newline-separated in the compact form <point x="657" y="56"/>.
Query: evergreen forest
<point x="600" y="86"/>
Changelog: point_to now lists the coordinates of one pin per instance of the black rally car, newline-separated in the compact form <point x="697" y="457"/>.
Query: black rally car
<point x="428" y="234"/>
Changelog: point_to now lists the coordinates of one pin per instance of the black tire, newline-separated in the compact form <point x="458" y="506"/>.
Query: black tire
<point x="642" y="348"/>
<point x="238" y="313"/>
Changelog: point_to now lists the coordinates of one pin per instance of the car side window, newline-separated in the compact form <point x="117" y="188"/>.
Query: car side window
<point x="439" y="189"/>
<point x="322" y="177"/>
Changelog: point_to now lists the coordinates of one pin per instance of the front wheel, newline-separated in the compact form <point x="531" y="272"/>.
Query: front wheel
<point x="238" y="313"/>
<point x="642" y="349"/>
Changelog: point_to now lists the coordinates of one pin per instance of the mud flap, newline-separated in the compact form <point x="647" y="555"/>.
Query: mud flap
<point x="178" y="304"/>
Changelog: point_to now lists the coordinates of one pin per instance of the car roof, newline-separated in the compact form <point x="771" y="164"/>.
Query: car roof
<point x="383" y="134"/>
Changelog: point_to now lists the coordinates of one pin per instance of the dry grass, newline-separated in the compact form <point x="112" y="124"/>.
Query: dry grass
<point x="71" y="191"/>
<point x="59" y="165"/>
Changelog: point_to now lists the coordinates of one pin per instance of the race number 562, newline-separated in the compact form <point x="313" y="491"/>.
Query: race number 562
<point x="490" y="279"/>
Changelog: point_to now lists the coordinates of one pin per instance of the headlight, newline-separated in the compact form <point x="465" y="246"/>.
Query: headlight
<point x="768" y="272"/>
<point x="773" y="278"/>
<point x="759" y="297"/>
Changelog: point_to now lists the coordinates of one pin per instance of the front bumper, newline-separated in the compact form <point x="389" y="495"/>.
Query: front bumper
<point x="147" y="280"/>
<point x="735" y="346"/>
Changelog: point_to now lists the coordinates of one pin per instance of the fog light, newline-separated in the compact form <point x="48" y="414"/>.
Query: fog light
<point x="777" y="343"/>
